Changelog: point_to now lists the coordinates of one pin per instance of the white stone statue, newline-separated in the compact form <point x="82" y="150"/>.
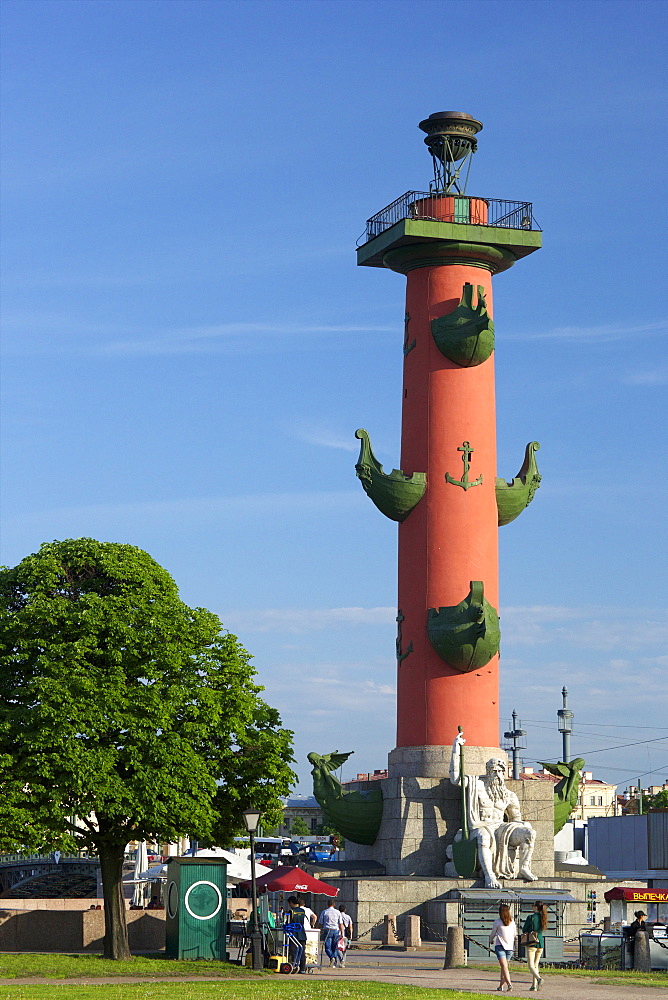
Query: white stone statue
<point x="495" y="820"/>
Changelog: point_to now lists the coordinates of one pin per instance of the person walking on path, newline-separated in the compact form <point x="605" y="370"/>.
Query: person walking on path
<point x="295" y="925"/>
<point x="330" y="921"/>
<point x="346" y="932"/>
<point x="502" y="938"/>
<point x="534" y="925"/>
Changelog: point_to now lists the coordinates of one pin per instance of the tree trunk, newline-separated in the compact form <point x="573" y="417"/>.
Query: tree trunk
<point x="115" y="923"/>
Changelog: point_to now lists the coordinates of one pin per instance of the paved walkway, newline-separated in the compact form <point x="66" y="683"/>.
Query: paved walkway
<point x="474" y="980"/>
<point x="471" y="980"/>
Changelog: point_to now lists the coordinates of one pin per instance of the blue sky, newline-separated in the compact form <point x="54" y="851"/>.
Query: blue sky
<point x="189" y="345"/>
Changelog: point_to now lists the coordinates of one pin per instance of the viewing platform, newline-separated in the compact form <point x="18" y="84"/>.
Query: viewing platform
<point x="423" y="216"/>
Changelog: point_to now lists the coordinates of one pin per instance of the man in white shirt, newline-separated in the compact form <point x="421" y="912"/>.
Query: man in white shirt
<point x="330" y="921"/>
<point x="308" y="911"/>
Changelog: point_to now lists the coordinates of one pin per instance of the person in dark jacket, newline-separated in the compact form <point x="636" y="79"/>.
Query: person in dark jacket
<point x="536" y="922"/>
<point x="638" y="924"/>
<point x="295" y="925"/>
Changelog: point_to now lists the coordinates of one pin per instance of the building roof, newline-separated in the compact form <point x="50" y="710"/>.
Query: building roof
<point x="301" y="802"/>
<point x="546" y="776"/>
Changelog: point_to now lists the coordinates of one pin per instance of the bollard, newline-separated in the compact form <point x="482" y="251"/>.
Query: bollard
<point x="455" y="956"/>
<point x="641" y="961"/>
<point x="412" y="940"/>
<point x="390" y="930"/>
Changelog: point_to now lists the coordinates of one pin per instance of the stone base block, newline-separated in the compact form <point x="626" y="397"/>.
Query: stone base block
<point x="423" y="812"/>
<point x="370" y="901"/>
<point x="434" y="761"/>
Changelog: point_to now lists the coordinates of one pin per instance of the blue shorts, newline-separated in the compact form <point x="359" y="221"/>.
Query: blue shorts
<point x="503" y="953"/>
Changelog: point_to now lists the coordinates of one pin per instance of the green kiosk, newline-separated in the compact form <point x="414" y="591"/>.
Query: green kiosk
<point x="196" y="905"/>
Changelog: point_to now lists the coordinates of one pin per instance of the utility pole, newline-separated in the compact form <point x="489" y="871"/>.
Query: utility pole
<point x="515" y="735"/>
<point x="565" y="726"/>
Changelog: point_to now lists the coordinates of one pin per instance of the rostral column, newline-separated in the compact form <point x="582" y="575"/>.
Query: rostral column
<point x="446" y="496"/>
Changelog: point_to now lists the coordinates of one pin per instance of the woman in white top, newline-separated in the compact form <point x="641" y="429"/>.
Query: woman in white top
<point x="502" y="937"/>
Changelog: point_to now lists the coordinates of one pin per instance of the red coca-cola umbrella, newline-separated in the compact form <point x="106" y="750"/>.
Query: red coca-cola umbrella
<point x="285" y="879"/>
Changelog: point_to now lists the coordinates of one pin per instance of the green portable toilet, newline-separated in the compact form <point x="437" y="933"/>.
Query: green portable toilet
<point x="196" y="905"/>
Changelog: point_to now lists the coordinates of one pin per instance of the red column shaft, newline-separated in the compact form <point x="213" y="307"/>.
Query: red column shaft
<point x="451" y="537"/>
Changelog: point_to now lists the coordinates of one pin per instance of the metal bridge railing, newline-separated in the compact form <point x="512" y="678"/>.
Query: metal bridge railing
<point x="14" y="859"/>
<point x="459" y="209"/>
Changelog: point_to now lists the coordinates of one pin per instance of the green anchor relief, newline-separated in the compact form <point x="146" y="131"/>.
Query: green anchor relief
<point x="464" y="481"/>
<point x="467" y="635"/>
<point x="465" y="336"/>
<point x="355" y="814"/>
<point x="394" y="494"/>
<point x="408" y="347"/>
<point x="512" y="498"/>
<point x="401" y="654"/>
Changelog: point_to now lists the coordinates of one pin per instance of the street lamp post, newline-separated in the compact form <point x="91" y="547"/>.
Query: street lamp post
<point x="252" y="820"/>
<point x="565" y="725"/>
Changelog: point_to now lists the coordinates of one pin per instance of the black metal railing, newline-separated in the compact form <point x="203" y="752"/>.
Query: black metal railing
<point x="460" y="209"/>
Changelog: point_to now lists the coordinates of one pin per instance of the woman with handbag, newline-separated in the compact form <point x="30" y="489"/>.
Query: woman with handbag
<point x="502" y="937"/>
<point x="534" y="941"/>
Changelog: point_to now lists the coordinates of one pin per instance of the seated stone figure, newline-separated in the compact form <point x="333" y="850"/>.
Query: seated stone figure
<point x="495" y="820"/>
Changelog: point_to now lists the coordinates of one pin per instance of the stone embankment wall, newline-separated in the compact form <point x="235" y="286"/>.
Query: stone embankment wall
<point x="369" y="900"/>
<point x="64" y="925"/>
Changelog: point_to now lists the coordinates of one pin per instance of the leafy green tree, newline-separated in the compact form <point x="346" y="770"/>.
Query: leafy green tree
<point x="659" y="801"/>
<point x="299" y="827"/>
<point x="125" y="714"/>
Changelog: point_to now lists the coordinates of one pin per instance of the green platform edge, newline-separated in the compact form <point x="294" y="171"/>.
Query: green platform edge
<point x="509" y="244"/>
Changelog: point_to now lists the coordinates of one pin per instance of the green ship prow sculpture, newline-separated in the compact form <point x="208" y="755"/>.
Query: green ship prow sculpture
<point x="467" y="635"/>
<point x="567" y="790"/>
<point x="394" y="493"/>
<point x="466" y="335"/>
<point x="355" y="814"/>
<point x="512" y="498"/>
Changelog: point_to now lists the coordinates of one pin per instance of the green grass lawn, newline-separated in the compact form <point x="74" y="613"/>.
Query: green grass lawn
<point x="57" y="966"/>
<point x="285" y="988"/>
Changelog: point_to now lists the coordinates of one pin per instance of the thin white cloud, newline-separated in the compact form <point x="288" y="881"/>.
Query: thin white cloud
<point x="601" y="334"/>
<point x="353" y="693"/>
<point x="325" y="438"/>
<point x="56" y="333"/>
<point x="591" y="628"/>
<point x="654" y="376"/>
<point x="187" y="510"/>
<point x="366" y="685"/>
<point x="238" y="335"/>
<point x="302" y="620"/>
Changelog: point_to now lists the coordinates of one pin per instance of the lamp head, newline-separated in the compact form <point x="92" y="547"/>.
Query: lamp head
<point x="451" y="140"/>
<point x="451" y="135"/>
<point x="252" y="819"/>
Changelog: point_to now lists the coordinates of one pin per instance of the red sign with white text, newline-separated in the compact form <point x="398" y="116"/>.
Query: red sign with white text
<point x="637" y="895"/>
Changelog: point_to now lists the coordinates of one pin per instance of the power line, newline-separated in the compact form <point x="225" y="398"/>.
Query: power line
<point x="638" y="743"/>
<point x="621" y="746"/>
<point x="600" y="725"/>
<point x="625" y="770"/>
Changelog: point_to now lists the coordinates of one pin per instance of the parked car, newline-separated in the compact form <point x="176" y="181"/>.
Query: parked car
<point x="322" y="852"/>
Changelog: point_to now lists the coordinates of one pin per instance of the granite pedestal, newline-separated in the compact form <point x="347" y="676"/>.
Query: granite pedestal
<point x="422" y="812"/>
